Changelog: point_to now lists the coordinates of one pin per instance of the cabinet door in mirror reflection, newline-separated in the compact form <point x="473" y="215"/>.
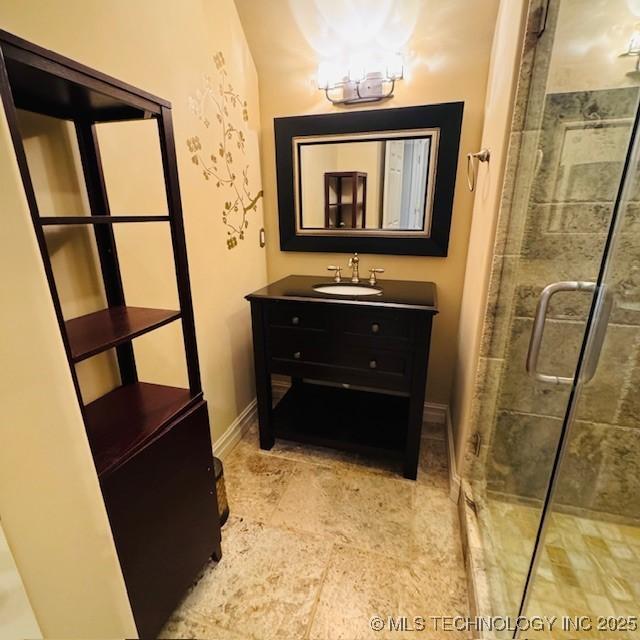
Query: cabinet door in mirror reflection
<point x="366" y="183"/>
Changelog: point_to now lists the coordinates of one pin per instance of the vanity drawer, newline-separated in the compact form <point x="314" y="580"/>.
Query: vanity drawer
<point x="298" y="315"/>
<point x="374" y="361"/>
<point x="298" y="345"/>
<point x="378" y="323"/>
<point x="306" y="357"/>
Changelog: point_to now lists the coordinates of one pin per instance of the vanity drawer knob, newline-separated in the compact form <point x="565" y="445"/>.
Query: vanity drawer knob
<point x="295" y="320"/>
<point x="373" y="364"/>
<point x="375" y="327"/>
<point x="297" y="355"/>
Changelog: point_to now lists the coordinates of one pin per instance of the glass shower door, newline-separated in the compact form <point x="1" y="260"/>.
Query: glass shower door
<point x="586" y="570"/>
<point x="572" y="132"/>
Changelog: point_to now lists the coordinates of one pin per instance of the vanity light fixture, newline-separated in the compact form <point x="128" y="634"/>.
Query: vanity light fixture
<point x="366" y="78"/>
<point x="633" y="50"/>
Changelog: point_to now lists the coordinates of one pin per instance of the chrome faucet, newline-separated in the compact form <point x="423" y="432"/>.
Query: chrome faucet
<point x="355" y="273"/>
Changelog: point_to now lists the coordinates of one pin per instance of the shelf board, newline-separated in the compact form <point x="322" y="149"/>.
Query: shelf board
<point x="96" y="332"/>
<point x="62" y="220"/>
<point x="122" y="421"/>
<point x="346" y="419"/>
<point x="48" y="83"/>
<point x="345" y="174"/>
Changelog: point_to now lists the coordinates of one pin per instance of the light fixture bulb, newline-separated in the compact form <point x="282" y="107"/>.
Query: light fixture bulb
<point x="324" y="73"/>
<point x="395" y="66"/>
<point x="368" y="76"/>
<point x="357" y="67"/>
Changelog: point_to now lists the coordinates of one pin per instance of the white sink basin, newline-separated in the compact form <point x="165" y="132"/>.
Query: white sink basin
<point x="347" y="289"/>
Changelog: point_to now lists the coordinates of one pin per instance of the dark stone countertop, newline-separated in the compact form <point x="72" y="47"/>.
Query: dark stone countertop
<point x="394" y="293"/>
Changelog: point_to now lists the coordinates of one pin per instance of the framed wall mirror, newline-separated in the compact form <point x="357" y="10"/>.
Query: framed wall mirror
<point x="378" y="181"/>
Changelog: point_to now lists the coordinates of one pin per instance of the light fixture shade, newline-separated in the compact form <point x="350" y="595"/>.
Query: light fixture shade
<point x="366" y="77"/>
<point x="329" y="74"/>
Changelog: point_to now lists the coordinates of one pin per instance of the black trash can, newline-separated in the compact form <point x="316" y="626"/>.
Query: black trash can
<point x="223" y="505"/>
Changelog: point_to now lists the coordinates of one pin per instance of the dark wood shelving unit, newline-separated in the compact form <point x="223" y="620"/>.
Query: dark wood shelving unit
<point x="97" y="332"/>
<point x="150" y="443"/>
<point x="337" y="214"/>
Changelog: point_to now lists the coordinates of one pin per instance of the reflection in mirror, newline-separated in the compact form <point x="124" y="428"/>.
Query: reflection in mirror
<point x="366" y="183"/>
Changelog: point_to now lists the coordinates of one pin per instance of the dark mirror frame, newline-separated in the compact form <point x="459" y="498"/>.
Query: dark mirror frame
<point x="446" y="117"/>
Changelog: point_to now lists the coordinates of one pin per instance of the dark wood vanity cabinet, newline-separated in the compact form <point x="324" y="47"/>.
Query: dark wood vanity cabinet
<point x="358" y="365"/>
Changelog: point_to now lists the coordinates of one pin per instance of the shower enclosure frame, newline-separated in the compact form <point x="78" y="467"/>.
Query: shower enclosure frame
<point x="589" y="352"/>
<point x="530" y="132"/>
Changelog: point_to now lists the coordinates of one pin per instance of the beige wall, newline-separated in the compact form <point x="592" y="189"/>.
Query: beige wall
<point x="505" y="59"/>
<point x="17" y="619"/>
<point x="446" y="47"/>
<point x="60" y="537"/>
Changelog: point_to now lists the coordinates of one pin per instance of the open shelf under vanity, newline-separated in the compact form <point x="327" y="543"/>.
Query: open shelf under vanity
<point x="348" y="419"/>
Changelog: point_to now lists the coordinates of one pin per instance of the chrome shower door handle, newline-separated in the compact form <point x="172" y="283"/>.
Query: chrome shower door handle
<point x="537" y="331"/>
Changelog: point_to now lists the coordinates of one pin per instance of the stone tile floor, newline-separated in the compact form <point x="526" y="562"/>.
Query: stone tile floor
<point x="320" y="541"/>
<point x="588" y="567"/>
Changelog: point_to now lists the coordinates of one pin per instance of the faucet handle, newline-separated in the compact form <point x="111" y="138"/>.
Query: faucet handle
<point x="337" y="272"/>
<point x="372" y="274"/>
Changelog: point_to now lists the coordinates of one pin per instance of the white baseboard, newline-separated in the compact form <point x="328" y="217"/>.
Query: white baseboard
<point x="225" y="444"/>
<point x="454" y="479"/>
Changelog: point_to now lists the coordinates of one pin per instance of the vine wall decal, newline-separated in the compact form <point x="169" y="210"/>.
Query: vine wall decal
<point x="218" y="104"/>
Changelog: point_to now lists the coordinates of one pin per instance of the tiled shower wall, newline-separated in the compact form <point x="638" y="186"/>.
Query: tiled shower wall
<point x="564" y="166"/>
